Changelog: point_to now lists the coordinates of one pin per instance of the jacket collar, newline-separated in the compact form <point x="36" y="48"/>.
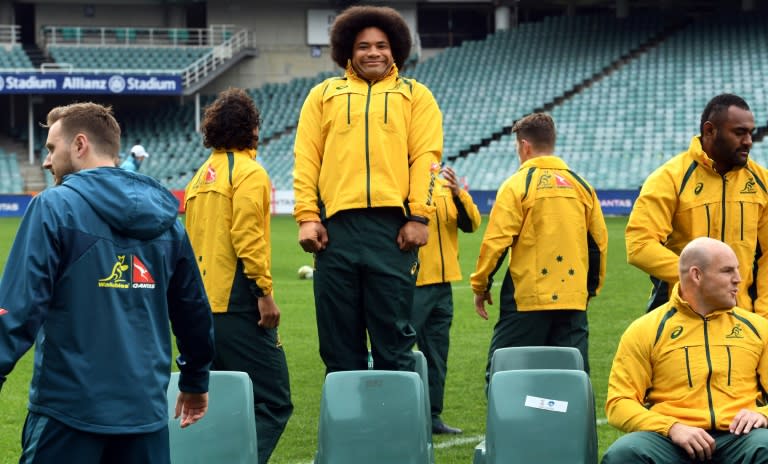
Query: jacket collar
<point x="545" y="162"/>
<point x="249" y="152"/>
<point x="351" y="74"/>
<point x="698" y="153"/>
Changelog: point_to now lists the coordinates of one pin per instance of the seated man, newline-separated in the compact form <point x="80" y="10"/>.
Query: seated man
<point x="687" y="377"/>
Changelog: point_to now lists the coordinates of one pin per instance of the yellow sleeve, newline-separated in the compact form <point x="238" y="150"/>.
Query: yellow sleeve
<point x="761" y="280"/>
<point x="308" y="150"/>
<point x="599" y="233"/>
<point x="649" y="225"/>
<point x="504" y="226"/>
<point x="250" y="228"/>
<point x="630" y="378"/>
<point x="425" y="145"/>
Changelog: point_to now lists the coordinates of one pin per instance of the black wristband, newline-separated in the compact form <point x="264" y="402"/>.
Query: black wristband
<point x="419" y="219"/>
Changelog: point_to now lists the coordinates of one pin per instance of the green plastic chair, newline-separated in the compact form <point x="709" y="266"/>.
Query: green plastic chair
<point x="375" y="417"/>
<point x="531" y="357"/>
<point x="227" y="432"/>
<point x="544" y="416"/>
<point x="536" y="357"/>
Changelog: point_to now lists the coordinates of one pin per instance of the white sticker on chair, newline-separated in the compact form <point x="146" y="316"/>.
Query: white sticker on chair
<point x="545" y="403"/>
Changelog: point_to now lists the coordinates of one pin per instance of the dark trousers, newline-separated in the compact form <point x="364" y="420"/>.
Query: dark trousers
<point x="241" y="345"/>
<point x="651" y="447"/>
<point x="364" y="284"/>
<point x="540" y="328"/>
<point x="432" y="317"/>
<point x="48" y="441"/>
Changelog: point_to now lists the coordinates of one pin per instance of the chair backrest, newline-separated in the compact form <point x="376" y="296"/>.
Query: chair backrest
<point x="536" y="357"/>
<point x="376" y="417"/>
<point x="541" y="415"/>
<point x="423" y="371"/>
<point x="227" y="432"/>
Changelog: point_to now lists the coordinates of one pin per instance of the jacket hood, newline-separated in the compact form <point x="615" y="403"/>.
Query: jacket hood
<point x="133" y="204"/>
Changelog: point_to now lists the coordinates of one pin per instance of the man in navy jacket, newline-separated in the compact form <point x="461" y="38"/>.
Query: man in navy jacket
<point x="99" y="266"/>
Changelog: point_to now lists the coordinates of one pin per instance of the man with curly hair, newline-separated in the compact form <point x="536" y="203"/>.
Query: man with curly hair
<point x="365" y="144"/>
<point x="227" y="217"/>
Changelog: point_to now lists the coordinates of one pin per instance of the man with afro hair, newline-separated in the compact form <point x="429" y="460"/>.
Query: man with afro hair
<point x="368" y="147"/>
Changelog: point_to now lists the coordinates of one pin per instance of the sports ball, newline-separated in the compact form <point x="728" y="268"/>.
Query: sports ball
<point x="306" y="272"/>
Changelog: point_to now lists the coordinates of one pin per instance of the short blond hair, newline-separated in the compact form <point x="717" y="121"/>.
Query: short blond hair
<point x="92" y="119"/>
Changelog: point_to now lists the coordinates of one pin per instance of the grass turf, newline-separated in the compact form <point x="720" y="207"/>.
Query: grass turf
<point x="621" y="300"/>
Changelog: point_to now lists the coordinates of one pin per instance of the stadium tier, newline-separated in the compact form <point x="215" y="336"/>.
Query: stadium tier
<point x="133" y="58"/>
<point x="614" y="131"/>
<point x="13" y="57"/>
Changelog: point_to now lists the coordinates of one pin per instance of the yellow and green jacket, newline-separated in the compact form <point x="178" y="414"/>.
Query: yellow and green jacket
<point x="551" y="221"/>
<point x="366" y="144"/>
<point x="227" y="219"/>
<point x="674" y="365"/>
<point x="686" y="198"/>
<point x="439" y="258"/>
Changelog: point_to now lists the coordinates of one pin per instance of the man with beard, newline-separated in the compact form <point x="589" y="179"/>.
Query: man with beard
<point x="711" y="190"/>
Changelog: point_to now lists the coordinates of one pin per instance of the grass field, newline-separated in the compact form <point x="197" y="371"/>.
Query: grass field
<point x="621" y="300"/>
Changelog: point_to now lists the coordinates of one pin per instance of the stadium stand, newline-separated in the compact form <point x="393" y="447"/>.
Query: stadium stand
<point x="127" y="58"/>
<point x="13" y="57"/>
<point x="629" y="90"/>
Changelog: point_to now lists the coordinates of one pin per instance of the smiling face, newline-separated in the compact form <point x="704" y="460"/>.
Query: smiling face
<point x="371" y="54"/>
<point x="731" y="139"/>
<point x="60" y="152"/>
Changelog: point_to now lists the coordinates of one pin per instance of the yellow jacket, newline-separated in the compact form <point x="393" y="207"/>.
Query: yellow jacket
<point x="227" y="219"/>
<point x="551" y="220"/>
<point x="366" y="145"/>
<point x="699" y="371"/>
<point x="686" y="198"/>
<point x="439" y="258"/>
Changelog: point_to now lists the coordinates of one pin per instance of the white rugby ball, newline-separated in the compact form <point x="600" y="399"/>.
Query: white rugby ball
<point x="306" y="272"/>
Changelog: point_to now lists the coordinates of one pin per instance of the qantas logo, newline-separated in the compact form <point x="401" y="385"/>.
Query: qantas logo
<point x="210" y="175"/>
<point x="139" y="273"/>
<point x="3" y="311"/>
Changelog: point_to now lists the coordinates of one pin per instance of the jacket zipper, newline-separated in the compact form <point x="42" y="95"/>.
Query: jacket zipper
<point x="728" y="349"/>
<point x="722" y="226"/>
<point x="688" y="368"/>
<point x="440" y="241"/>
<point x="709" y="376"/>
<point x="367" y="151"/>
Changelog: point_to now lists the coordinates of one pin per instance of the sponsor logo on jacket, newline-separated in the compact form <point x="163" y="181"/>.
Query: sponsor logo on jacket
<point x="128" y="273"/>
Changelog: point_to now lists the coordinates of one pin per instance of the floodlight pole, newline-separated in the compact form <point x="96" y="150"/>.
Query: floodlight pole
<point x="30" y="127"/>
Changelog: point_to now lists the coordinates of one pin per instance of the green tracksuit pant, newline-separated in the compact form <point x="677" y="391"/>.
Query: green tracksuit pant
<point x="432" y="317"/>
<point x="652" y="447"/>
<point x="364" y="284"/>
<point x="241" y="345"/>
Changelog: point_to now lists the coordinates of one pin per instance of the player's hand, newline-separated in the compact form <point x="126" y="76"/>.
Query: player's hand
<point x="313" y="236"/>
<point x="191" y="407"/>
<point x="695" y="441"/>
<point x="269" y="312"/>
<point x="412" y="235"/>
<point x="480" y="301"/>
<point x="747" y="420"/>
<point x="450" y="176"/>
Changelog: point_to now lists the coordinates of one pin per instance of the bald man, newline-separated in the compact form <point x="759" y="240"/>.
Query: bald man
<point x="687" y="377"/>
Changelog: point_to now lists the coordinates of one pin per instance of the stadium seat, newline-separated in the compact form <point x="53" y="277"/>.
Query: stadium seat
<point x="536" y="357"/>
<point x="227" y="432"/>
<point x="376" y="417"/>
<point x="531" y="357"/>
<point x="542" y="416"/>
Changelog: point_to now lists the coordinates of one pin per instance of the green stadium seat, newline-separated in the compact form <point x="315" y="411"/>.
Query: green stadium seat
<point x="227" y="433"/>
<point x="542" y="416"/>
<point x="376" y="417"/>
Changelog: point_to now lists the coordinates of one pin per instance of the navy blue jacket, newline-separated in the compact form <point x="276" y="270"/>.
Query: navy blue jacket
<point x="99" y="267"/>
